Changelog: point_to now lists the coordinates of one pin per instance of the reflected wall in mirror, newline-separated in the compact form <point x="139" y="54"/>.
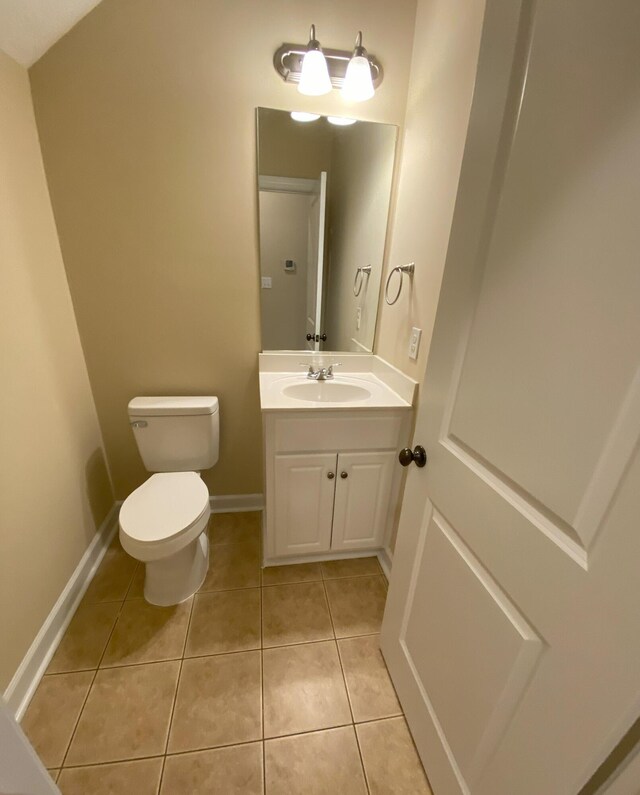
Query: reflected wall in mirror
<point x="324" y="193"/>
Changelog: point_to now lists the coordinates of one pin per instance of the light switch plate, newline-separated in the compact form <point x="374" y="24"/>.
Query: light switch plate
<point x="414" y="342"/>
<point x="266" y="282"/>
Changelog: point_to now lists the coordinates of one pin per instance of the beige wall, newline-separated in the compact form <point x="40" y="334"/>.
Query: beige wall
<point x="288" y="148"/>
<point x="54" y="485"/>
<point x="443" y="68"/>
<point x="284" y="225"/>
<point x="149" y="146"/>
<point x="361" y="173"/>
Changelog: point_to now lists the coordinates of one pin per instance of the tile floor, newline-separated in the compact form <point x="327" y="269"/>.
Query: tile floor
<point x="265" y="681"/>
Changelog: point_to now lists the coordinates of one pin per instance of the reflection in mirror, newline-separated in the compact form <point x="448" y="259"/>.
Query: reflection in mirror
<point x="324" y="194"/>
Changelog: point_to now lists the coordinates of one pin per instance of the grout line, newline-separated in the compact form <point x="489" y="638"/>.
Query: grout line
<point x="95" y="674"/>
<point x="175" y="695"/>
<point x="309" y="731"/>
<point x="346" y="688"/>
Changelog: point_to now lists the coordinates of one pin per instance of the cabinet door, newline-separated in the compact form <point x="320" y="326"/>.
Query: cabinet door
<point x="304" y="491"/>
<point x="363" y="487"/>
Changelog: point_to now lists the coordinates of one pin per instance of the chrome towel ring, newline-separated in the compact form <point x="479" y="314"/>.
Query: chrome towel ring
<point x="357" y="283"/>
<point x="401" y="269"/>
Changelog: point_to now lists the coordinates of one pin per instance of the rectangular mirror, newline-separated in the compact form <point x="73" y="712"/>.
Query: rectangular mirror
<point x="323" y="197"/>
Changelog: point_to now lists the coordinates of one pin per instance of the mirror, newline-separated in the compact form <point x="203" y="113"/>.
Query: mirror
<point x="323" y="199"/>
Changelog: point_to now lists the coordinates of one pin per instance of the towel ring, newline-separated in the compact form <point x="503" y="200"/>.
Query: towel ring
<point x="361" y="272"/>
<point x="401" y="269"/>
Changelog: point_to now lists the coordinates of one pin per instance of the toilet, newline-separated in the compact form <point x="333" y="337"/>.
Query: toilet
<point x="163" y="522"/>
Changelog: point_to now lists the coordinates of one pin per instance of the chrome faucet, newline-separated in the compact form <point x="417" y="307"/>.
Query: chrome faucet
<point x="323" y="374"/>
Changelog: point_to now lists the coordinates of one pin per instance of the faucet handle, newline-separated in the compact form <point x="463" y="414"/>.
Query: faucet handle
<point x="331" y="366"/>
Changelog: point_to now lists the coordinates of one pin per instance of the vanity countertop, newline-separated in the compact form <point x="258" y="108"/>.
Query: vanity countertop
<point x="293" y="391"/>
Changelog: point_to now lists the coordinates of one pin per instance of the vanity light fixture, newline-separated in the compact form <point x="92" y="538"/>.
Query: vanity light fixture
<point x="314" y="74"/>
<point x="358" y="83"/>
<point x="318" y="69"/>
<point x="340" y="121"/>
<point x="301" y="115"/>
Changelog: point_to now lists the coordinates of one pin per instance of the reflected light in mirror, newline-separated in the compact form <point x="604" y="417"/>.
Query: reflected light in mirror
<point x="340" y="121"/>
<point x="301" y="115"/>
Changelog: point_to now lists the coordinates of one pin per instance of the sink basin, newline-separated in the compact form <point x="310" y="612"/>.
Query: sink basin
<point x="326" y="392"/>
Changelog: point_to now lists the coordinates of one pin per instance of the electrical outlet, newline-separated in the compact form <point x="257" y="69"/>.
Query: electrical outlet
<point x="414" y="342"/>
<point x="358" y="317"/>
<point x="266" y="282"/>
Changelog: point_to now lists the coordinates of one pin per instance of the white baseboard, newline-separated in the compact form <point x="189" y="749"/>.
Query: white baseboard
<point x="230" y="503"/>
<point x="321" y="557"/>
<point x="27" y="678"/>
<point x="385" y="558"/>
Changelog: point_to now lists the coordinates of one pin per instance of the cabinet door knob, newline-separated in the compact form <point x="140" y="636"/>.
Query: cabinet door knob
<point x="344" y="475"/>
<point x="331" y="475"/>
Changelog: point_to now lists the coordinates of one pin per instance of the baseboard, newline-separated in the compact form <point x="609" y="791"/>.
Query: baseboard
<point x="27" y="678"/>
<point x="320" y="557"/>
<point x="385" y="558"/>
<point x="230" y="503"/>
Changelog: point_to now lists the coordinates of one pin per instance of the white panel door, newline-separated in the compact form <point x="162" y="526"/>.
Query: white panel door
<point x="512" y="627"/>
<point x="315" y="270"/>
<point x="362" y="499"/>
<point x="304" y="491"/>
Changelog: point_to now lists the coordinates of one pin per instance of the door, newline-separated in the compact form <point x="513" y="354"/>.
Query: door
<point x="304" y="490"/>
<point x="20" y="768"/>
<point x="315" y="273"/>
<point x="512" y="627"/>
<point x="363" y="488"/>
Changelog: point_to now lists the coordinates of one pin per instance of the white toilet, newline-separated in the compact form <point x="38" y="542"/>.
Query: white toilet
<point x="163" y="522"/>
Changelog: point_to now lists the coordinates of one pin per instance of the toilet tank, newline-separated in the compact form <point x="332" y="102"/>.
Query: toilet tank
<point x="176" y="434"/>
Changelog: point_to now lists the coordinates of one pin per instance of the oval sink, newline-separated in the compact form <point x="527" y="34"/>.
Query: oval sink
<point x="326" y="392"/>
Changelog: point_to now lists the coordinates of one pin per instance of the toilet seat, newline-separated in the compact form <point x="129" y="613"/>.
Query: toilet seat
<point x="163" y="515"/>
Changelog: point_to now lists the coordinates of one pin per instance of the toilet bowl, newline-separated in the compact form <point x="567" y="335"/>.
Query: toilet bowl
<point x="163" y="524"/>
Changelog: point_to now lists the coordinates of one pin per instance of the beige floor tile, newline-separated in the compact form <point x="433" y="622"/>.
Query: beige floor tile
<point x="218" y="703"/>
<point x="295" y="614"/>
<point x="86" y="638"/>
<point x="113" y="577"/>
<point x="321" y="763"/>
<point x="141" y="777"/>
<point x="303" y="689"/>
<point x="232" y="528"/>
<point x="298" y="572"/>
<point x="126" y="715"/>
<point x="147" y="633"/>
<point x="232" y="566"/>
<point x="390" y="759"/>
<point x="350" y="567"/>
<point x="368" y="683"/>
<point x="136" y="589"/>
<point x="222" y="771"/>
<point x="53" y="713"/>
<point x="224" y="621"/>
<point x="357" y="605"/>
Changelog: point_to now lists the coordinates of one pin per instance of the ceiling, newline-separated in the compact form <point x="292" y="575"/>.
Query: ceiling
<point x="29" y="27"/>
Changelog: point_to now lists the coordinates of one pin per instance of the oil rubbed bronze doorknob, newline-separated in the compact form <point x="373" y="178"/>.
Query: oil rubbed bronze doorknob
<point x="344" y="475"/>
<point x="418" y="455"/>
<point x="331" y="475"/>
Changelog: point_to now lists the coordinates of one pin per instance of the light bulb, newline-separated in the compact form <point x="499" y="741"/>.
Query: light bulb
<point x="358" y="84"/>
<point x="340" y="121"/>
<point x="314" y="77"/>
<point x="301" y="115"/>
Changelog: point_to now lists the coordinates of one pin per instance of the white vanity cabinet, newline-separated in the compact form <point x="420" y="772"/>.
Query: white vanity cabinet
<point x="332" y="480"/>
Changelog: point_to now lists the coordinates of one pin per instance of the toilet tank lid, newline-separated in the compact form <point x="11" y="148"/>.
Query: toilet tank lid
<point x="176" y="406"/>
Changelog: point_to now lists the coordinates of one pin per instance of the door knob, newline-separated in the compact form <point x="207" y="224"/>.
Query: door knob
<point x="418" y="455"/>
<point x="344" y="475"/>
<point x="323" y="337"/>
<point x="310" y="337"/>
<point x="331" y="475"/>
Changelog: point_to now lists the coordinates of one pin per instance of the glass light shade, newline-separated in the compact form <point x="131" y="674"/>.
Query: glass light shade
<point x="301" y="115"/>
<point x="358" y="84"/>
<point x="340" y="121"/>
<point x="314" y="77"/>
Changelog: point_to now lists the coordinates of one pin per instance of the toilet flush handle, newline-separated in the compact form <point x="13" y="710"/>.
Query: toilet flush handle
<point x="139" y="424"/>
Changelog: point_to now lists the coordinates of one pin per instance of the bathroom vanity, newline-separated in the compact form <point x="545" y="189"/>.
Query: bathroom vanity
<point x="332" y="477"/>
